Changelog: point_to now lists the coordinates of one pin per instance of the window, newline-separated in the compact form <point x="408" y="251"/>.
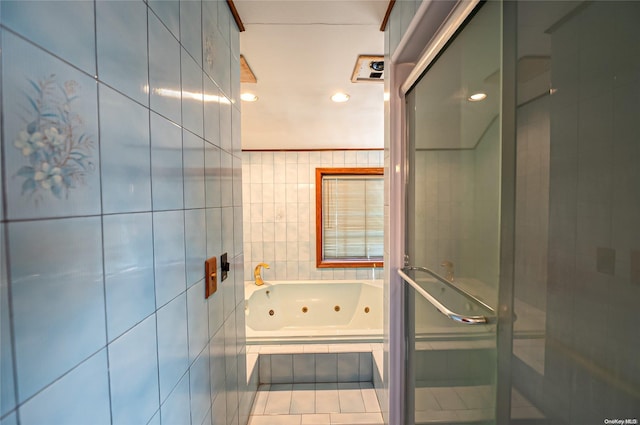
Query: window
<point x="349" y="217"/>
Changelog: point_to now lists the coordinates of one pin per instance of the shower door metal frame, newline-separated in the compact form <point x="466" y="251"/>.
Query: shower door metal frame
<point x="406" y="69"/>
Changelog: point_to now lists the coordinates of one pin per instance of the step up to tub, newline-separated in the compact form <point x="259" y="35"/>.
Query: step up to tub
<point x="315" y="363"/>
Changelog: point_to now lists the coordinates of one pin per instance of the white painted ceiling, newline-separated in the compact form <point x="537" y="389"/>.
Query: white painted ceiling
<point x="302" y="52"/>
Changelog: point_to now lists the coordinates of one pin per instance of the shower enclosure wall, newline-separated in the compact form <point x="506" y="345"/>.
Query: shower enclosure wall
<point x="453" y="210"/>
<point x="525" y="202"/>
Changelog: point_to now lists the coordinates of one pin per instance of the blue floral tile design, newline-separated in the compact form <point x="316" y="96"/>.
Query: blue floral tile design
<point x="196" y="244"/>
<point x="122" y="47"/>
<point x="168" y="242"/>
<point x="42" y="21"/>
<point x="193" y="158"/>
<point x="125" y="162"/>
<point x="166" y="164"/>
<point x="176" y="409"/>
<point x="57" y="160"/>
<point x="191" y="28"/>
<point x="80" y="397"/>
<point x="192" y="96"/>
<point x="212" y="111"/>
<point x="173" y="351"/>
<point x="58" y="301"/>
<point x="133" y="370"/>
<point x="128" y="266"/>
<point x="164" y="71"/>
<point x="50" y="116"/>
<point x="169" y="13"/>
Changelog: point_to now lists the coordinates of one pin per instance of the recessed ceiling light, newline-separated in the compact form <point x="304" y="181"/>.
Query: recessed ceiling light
<point x="340" y="97"/>
<point x="248" y="97"/>
<point x="477" y="97"/>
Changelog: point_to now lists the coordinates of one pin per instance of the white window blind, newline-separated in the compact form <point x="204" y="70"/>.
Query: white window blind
<point x="353" y="217"/>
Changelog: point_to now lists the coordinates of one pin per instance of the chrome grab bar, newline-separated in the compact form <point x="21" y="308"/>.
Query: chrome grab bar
<point x="460" y="318"/>
<point x="454" y="287"/>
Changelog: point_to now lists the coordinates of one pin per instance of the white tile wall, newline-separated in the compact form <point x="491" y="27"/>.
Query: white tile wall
<point x="457" y="209"/>
<point x="532" y="202"/>
<point x="315" y="367"/>
<point x="279" y="211"/>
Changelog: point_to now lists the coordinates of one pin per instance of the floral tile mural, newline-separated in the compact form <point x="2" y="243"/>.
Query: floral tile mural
<point x="54" y="140"/>
<point x="51" y="134"/>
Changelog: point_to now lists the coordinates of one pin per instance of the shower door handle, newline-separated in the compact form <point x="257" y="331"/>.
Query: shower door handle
<point x="456" y="317"/>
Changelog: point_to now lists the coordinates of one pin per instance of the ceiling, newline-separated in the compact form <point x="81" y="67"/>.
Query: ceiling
<point x="302" y="52"/>
<point x="470" y="64"/>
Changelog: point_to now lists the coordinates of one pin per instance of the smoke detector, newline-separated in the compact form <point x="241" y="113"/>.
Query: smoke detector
<point x="368" y="68"/>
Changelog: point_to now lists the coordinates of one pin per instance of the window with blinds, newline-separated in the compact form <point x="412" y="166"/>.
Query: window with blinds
<point x="349" y="217"/>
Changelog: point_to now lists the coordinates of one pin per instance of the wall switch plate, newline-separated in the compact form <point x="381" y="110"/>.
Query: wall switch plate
<point x="224" y="265"/>
<point x="211" y="276"/>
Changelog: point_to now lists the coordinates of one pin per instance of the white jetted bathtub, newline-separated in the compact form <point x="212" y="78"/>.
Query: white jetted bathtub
<point x="314" y="311"/>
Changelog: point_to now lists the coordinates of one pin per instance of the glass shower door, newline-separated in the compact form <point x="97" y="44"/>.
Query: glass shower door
<point x="453" y="223"/>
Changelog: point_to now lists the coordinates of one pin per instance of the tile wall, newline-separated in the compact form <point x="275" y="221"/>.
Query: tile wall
<point x="399" y="20"/>
<point x="457" y="211"/>
<point x="591" y="370"/>
<point x="577" y="231"/>
<point x="316" y="367"/>
<point x="532" y="202"/>
<point x="279" y="212"/>
<point x="118" y="179"/>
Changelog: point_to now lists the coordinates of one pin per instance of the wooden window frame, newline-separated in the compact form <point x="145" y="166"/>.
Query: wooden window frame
<point x="320" y="261"/>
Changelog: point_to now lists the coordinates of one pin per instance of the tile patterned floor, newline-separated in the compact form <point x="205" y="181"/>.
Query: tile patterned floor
<point x="316" y="404"/>
<point x="466" y="404"/>
<point x="453" y="404"/>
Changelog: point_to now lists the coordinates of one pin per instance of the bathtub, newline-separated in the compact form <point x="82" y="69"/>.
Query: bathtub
<point x="314" y="311"/>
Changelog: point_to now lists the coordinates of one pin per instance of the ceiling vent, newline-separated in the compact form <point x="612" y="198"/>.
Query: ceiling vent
<point x="368" y="68"/>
